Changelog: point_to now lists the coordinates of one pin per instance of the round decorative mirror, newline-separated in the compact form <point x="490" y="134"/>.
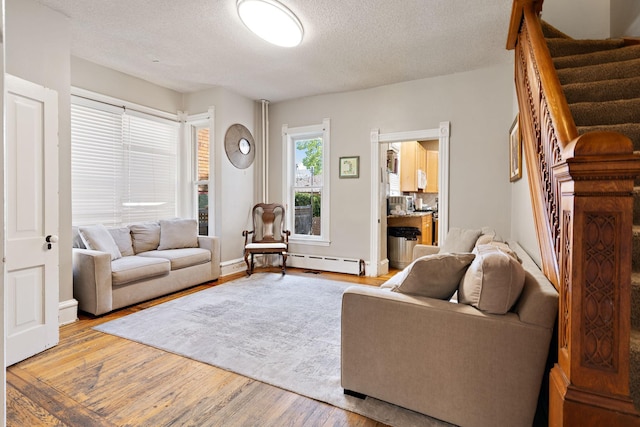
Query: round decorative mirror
<point x="244" y="146"/>
<point x="239" y="146"/>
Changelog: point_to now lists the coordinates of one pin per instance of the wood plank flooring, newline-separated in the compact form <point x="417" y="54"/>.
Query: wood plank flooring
<point x="96" y="379"/>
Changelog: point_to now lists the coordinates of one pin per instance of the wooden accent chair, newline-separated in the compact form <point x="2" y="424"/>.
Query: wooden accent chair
<point x="268" y="235"/>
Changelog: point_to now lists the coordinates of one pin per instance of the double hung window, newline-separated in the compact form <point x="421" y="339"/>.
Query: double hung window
<point x="307" y="182"/>
<point x="123" y="164"/>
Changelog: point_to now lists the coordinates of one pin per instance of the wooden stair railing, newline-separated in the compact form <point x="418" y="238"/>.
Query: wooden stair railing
<point x="581" y="191"/>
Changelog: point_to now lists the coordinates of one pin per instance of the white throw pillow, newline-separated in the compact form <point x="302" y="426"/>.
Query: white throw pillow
<point x="433" y="276"/>
<point x="122" y="237"/>
<point x="493" y="282"/>
<point x="178" y="233"/>
<point x="97" y="238"/>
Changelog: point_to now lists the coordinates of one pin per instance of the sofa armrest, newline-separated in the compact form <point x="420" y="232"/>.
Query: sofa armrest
<point x="212" y="244"/>
<point x="422" y="250"/>
<point x="92" y="280"/>
<point x="440" y="358"/>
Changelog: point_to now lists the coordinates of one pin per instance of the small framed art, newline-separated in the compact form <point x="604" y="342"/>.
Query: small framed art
<point x="515" y="151"/>
<point x="350" y="167"/>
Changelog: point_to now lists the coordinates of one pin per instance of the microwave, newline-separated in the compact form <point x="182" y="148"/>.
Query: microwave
<point x="405" y="203"/>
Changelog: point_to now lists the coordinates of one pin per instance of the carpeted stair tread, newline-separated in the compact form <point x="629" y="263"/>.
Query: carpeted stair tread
<point x="606" y="113"/>
<point x="634" y="367"/>
<point x="603" y="90"/>
<point x="565" y="47"/>
<point x="592" y="73"/>
<point x="601" y="57"/>
<point x="631" y="130"/>
<point x="551" y="32"/>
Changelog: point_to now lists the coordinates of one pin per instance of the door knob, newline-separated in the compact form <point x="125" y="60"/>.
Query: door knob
<point x="51" y="238"/>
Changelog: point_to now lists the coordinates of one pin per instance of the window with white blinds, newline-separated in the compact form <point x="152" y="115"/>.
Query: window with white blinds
<point x="124" y="165"/>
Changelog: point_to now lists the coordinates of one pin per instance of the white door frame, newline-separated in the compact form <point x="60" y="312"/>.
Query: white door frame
<point x="376" y="265"/>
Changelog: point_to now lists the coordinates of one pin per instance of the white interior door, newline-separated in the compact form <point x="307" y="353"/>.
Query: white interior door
<point x="31" y="165"/>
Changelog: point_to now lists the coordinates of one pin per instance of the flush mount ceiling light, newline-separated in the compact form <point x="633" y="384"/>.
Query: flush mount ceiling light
<point x="271" y="21"/>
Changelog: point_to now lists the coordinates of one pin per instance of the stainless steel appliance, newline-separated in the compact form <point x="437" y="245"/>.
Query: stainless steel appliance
<point x="405" y="203"/>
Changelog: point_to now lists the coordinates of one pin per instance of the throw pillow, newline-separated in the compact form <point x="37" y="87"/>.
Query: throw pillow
<point x="459" y="240"/>
<point x="122" y="237"/>
<point x="434" y="276"/>
<point x="76" y="238"/>
<point x="504" y="247"/>
<point x="97" y="238"/>
<point x="178" y="233"/>
<point x="145" y="236"/>
<point x="493" y="282"/>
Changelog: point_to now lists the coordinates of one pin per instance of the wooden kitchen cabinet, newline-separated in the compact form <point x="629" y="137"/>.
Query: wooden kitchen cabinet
<point x="422" y="222"/>
<point x="413" y="156"/>
<point x="432" y="172"/>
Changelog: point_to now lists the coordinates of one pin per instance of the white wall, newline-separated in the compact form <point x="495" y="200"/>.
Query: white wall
<point x="3" y="345"/>
<point x="99" y="79"/>
<point x="594" y="19"/>
<point x="37" y="41"/>
<point x="479" y="106"/>
<point x="625" y="18"/>
<point x="234" y="188"/>
<point x="580" y="19"/>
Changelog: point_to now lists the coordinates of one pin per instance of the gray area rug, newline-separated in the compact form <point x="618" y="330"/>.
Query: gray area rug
<point x="281" y="330"/>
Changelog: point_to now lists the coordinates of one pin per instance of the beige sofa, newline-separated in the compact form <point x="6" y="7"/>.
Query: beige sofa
<point x="118" y="267"/>
<point x="450" y="360"/>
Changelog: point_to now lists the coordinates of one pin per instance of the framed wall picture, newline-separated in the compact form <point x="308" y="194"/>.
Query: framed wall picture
<point x="350" y="167"/>
<point x="515" y="151"/>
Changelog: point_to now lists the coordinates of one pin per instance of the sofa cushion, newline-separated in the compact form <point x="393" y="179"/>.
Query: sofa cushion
<point x="122" y="237"/>
<point x="460" y="240"/>
<point x="178" y="233"/>
<point x="145" y="236"/>
<point x="493" y="282"/>
<point x="97" y="238"/>
<point x="132" y="268"/>
<point x="433" y="276"/>
<point x="181" y="258"/>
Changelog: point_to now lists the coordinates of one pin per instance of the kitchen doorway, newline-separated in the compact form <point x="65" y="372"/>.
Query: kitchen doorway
<point x="379" y="263"/>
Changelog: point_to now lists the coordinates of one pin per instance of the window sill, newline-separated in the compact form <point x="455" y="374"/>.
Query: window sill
<point x="309" y="242"/>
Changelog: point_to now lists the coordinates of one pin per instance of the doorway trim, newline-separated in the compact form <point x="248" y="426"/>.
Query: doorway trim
<point x="378" y="264"/>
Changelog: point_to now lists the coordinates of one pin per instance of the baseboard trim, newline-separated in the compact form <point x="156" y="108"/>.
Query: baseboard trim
<point x="327" y="263"/>
<point x="233" y="266"/>
<point x="67" y="312"/>
<point x="383" y="267"/>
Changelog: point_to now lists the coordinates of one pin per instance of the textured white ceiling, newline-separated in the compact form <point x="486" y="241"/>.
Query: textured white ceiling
<point x="190" y="45"/>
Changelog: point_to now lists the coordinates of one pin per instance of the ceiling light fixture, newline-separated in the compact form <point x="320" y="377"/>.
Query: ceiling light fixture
<point x="271" y="21"/>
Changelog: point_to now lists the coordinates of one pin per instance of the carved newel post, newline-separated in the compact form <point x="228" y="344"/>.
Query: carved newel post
<point x="589" y="385"/>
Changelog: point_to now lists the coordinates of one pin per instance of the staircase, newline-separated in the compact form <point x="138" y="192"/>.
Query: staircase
<point x="601" y="81"/>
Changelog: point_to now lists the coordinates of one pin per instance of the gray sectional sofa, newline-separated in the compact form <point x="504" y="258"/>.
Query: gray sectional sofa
<point x="478" y="361"/>
<point x="118" y="267"/>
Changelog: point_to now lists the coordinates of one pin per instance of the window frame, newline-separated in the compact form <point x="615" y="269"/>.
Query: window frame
<point x="192" y="124"/>
<point x="289" y="138"/>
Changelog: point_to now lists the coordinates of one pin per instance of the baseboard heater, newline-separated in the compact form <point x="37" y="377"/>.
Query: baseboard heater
<point x="326" y="263"/>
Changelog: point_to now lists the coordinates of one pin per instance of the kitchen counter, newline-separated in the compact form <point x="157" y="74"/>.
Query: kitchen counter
<point x="410" y="214"/>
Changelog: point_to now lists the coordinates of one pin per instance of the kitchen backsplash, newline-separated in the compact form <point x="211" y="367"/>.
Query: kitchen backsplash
<point x="428" y="199"/>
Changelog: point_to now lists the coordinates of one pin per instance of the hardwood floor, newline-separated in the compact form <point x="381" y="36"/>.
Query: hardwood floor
<point x="96" y="379"/>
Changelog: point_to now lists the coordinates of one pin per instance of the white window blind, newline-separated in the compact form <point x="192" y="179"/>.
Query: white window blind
<point x="124" y="165"/>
